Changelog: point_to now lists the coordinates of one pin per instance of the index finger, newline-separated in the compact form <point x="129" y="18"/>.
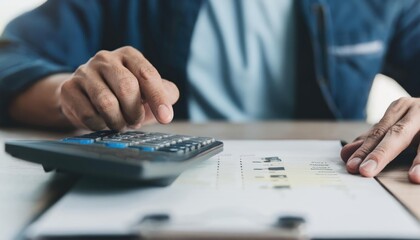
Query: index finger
<point x="151" y="84"/>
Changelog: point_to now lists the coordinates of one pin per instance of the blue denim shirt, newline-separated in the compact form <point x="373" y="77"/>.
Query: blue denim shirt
<point x="342" y="46"/>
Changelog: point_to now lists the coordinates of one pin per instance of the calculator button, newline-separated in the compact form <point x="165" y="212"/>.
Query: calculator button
<point x="138" y="140"/>
<point x="116" y="144"/>
<point x="166" y="143"/>
<point x="83" y="141"/>
<point x="157" y="142"/>
<point x="98" y="135"/>
<point x="107" y="140"/>
<point x="196" y="145"/>
<point x="189" y="146"/>
<point x="174" y="139"/>
<point x="148" y="138"/>
<point x="146" y="148"/>
<point x="203" y="140"/>
<point x="180" y="147"/>
<point x="184" y="138"/>
<point x="171" y="150"/>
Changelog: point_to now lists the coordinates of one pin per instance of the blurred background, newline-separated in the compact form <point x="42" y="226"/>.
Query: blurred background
<point x="384" y="90"/>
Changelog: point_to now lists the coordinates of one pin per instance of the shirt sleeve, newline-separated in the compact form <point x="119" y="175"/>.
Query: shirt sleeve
<point x="403" y="59"/>
<point x="56" y="37"/>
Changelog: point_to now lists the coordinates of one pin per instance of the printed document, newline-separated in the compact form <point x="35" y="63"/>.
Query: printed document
<point x="246" y="188"/>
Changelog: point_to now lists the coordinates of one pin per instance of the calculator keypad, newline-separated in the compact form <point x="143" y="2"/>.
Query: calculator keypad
<point x="143" y="141"/>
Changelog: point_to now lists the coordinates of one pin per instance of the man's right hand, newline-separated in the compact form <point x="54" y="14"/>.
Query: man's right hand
<point x="117" y="89"/>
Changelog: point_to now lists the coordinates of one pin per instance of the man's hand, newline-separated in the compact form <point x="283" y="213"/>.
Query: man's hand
<point x="117" y="89"/>
<point x="397" y="130"/>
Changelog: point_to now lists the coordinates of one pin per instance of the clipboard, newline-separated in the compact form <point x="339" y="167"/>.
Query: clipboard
<point x="295" y="189"/>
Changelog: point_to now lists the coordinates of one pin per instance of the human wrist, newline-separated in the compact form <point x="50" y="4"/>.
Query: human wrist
<point x="39" y="105"/>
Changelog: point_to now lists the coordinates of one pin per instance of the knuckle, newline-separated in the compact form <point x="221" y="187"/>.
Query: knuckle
<point x="101" y="65"/>
<point x="116" y="70"/>
<point x="106" y="103"/>
<point x="81" y="71"/>
<point x="400" y="104"/>
<point x="394" y="103"/>
<point x="102" y="55"/>
<point x="395" y="107"/>
<point x="403" y="101"/>
<point x="397" y="129"/>
<point x="97" y="91"/>
<point x="127" y="87"/>
<point x="406" y="99"/>
<point x="128" y="49"/>
<point x="377" y="133"/>
<point x="149" y="73"/>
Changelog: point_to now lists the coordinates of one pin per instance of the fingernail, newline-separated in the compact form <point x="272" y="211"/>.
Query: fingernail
<point x="165" y="114"/>
<point x="354" y="162"/>
<point x="415" y="170"/>
<point x="369" y="165"/>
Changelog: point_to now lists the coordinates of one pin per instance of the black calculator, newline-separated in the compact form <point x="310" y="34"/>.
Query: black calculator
<point x="132" y="155"/>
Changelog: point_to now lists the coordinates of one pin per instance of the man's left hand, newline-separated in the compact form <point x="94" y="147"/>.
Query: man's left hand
<point x="398" y="129"/>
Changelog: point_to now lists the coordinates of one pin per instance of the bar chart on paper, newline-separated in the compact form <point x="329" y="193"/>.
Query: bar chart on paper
<point x="282" y="169"/>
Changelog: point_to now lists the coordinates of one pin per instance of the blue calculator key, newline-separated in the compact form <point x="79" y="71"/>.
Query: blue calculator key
<point x="146" y="148"/>
<point x="79" y="140"/>
<point x="116" y="144"/>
